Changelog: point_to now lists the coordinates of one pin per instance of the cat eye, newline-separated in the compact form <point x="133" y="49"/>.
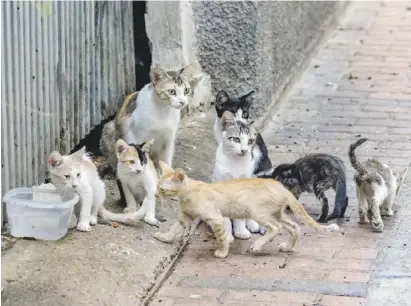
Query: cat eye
<point x="78" y="174"/>
<point x="172" y="92"/>
<point x="236" y="139"/>
<point x="245" y="114"/>
<point x="67" y="176"/>
<point x="250" y="141"/>
<point x="186" y="90"/>
<point x="132" y="162"/>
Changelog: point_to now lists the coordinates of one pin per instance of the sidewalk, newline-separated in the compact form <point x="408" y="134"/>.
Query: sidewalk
<point x="359" y="84"/>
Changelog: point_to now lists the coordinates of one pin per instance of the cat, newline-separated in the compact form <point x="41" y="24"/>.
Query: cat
<point x="233" y="160"/>
<point x="376" y="187"/>
<point x="113" y="131"/>
<point x="138" y="179"/>
<point x="316" y="173"/>
<point x="240" y="109"/>
<point x="156" y="115"/>
<point x="76" y="173"/>
<point x="261" y="199"/>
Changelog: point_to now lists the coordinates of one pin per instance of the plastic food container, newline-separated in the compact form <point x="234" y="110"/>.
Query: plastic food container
<point x="46" y="217"/>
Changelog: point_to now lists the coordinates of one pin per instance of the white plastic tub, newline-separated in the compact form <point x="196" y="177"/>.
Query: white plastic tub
<point x="46" y="218"/>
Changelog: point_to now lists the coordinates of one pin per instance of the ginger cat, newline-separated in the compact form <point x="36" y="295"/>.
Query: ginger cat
<point x="263" y="200"/>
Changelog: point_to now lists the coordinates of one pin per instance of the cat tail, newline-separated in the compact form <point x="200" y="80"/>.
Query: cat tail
<point x="121" y="114"/>
<point x="298" y="209"/>
<point x="341" y="200"/>
<point x="353" y="159"/>
<point x="126" y="218"/>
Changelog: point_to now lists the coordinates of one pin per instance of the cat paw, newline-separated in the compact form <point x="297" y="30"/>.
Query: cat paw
<point x="378" y="226"/>
<point x="129" y="210"/>
<point x="263" y="230"/>
<point x="283" y="247"/>
<point x="255" y="248"/>
<point x="221" y="253"/>
<point x="93" y="220"/>
<point x="84" y="226"/>
<point x="387" y="212"/>
<point x="364" y="221"/>
<point x="253" y="226"/>
<point x="161" y="237"/>
<point x="152" y="221"/>
<point x="245" y="234"/>
<point x="322" y="219"/>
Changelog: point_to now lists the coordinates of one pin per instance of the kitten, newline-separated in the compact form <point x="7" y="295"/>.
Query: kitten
<point x="156" y="115"/>
<point x="376" y="188"/>
<point x="138" y="179"/>
<point x="240" y="109"/>
<point x="233" y="160"/>
<point x="260" y="199"/>
<point x="77" y="173"/>
<point x="316" y="173"/>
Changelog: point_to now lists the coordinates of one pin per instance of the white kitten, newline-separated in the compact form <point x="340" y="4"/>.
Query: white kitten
<point x="234" y="160"/>
<point x="139" y="181"/>
<point x="77" y="173"/>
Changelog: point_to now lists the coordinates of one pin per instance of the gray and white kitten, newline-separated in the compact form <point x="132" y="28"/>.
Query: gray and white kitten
<point x="316" y="173"/>
<point x="376" y="188"/>
<point x="239" y="107"/>
<point x="234" y="160"/>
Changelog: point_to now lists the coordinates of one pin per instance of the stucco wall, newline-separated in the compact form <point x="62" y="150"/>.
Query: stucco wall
<point x="254" y="45"/>
<point x="242" y="45"/>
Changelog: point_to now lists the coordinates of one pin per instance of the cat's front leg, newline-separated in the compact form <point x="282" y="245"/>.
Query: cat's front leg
<point x="219" y="229"/>
<point x="252" y="226"/>
<point x="240" y="230"/>
<point x="168" y="152"/>
<point x="176" y="230"/>
<point x="149" y="207"/>
<point x="85" y="211"/>
<point x="229" y="229"/>
<point x="130" y="199"/>
<point x="376" y="220"/>
<point x="99" y="196"/>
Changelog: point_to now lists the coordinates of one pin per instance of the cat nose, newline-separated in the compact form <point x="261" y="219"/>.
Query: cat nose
<point x="244" y="151"/>
<point x="181" y="102"/>
<point x="74" y="185"/>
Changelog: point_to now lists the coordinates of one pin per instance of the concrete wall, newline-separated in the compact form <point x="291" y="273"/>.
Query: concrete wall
<point x="242" y="45"/>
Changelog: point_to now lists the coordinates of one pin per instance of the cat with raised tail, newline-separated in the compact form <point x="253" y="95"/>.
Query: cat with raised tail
<point x="316" y="173"/>
<point x="376" y="187"/>
<point x="234" y="160"/>
<point x="245" y="198"/>
<point x="139" y="180"/>
<point x="76" y="173"/>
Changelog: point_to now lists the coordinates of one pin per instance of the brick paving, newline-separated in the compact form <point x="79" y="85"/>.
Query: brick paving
<point x="359" y="85"/>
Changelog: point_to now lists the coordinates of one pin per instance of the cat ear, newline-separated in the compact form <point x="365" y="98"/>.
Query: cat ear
<point x="121" y="145"/>
<point x="157" y="74"/>
<point x="55" y="159"/>
<point x="165" y="169"/>
<point x="227" y="120"/>
<point x="146" y="147"/>
<point x="179" y="174"/>
<point x="246" y="100"/>
<point x="78" y="155"/>
<point x="221" y="98"/>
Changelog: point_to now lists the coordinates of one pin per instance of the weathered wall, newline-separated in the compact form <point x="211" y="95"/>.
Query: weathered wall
<point x="66" y="67"/>
<point x="254" y="45"/>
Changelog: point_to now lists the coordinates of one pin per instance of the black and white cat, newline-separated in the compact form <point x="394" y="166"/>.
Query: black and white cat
<point x="239" y="107"/>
